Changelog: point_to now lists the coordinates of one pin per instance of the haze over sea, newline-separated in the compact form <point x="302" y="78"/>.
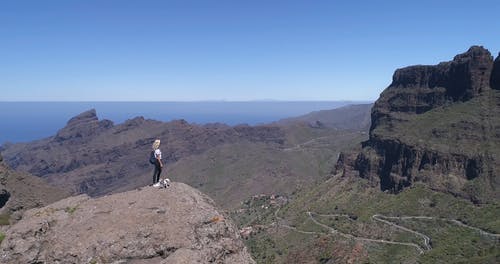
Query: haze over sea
<point x="26" y="121"/>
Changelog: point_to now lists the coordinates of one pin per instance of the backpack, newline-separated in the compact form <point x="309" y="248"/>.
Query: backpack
<point x="152" y="158"/>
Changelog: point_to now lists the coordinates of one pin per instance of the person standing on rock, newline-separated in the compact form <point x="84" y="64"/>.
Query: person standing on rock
<point x="156" y="158"/>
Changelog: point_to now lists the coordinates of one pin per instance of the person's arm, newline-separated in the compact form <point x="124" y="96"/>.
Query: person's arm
<point x="158" y="157"/>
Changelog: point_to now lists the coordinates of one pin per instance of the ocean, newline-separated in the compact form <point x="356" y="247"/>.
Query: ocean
<point x="27" y="121"/>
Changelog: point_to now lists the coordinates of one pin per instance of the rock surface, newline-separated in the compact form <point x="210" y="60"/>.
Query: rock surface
<point x="436" y="124"/>
<point x="174" y="225"/>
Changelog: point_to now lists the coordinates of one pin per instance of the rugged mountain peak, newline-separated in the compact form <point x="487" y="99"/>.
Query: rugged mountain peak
<point x="495" y="74"/>
<point x="83" y="126"/>
<point x="85" y="117"/>
<point x="462" y="78"/>
<point x="174" y="225"/>
<point x="418" y="89"/>
<point x="475" y="53"/>
<point x="470" y="73"/>
<point x="451" y="147"/>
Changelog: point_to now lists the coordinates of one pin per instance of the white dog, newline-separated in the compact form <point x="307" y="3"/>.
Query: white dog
<point x="162" y="183"/>
<point x="165" y="183"/>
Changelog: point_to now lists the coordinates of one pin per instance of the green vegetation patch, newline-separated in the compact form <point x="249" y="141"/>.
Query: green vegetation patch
<point x="70" y="209"/>
<point x="463" y="127"/>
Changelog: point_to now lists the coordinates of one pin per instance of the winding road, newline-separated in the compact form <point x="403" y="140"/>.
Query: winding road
<point x="349" y="236"/>
<point x="457" y="222"/>
<point x="300" y="146"/>
<point x="384" y="219"/>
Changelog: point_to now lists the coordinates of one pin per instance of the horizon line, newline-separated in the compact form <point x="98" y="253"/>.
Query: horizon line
<point x="185" y="101"/>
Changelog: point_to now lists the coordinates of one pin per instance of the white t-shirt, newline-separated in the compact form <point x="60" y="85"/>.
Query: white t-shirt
<point x="158" y="153"/>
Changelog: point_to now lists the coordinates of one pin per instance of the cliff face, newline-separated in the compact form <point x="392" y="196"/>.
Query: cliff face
<point x="173" y="225"/>
<point x="418" y="89"/>
<point x="438" y="125"/>
<point x="462" y="78"/>
<point x="495" y="74"/>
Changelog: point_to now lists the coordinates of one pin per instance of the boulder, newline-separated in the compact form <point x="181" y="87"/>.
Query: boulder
<point x="149" y="225"/>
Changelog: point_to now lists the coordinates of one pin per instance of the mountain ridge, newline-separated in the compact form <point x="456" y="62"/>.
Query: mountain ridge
<point x="97" y="157"/>
<point x="340" y="118"/>
<point x="87" y="148"/>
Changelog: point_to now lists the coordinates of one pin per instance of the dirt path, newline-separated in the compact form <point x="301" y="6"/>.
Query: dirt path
<point x="349" y="236"/>
<point x="457" y="222"/>
<point x="292" y="227"/>
<point x="303" y="144"/>
<point x="426" y="239"/>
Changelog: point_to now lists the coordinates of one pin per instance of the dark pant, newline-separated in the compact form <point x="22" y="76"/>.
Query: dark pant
<point x="156" y="175"/>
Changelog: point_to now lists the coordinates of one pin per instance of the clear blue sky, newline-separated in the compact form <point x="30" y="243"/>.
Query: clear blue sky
<point x="228" y="50"/>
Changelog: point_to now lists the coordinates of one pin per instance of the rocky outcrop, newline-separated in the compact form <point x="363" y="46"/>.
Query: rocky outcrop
<point x="83" y="127"/>
<point x="463" y="78"/>
<point x="174" y="225"/>
<point x="418" y="89"/>
<point x="437" y="125"/>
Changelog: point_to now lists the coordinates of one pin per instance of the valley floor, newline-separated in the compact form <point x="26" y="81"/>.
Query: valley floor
<point x="362" y="225"/>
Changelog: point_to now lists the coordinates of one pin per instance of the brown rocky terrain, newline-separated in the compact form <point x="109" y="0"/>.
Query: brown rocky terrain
<point x="174" y="225"/>
<point x="439" y="125"/>
<point x="96" y="157"/>
<point x="21" y="191"/>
